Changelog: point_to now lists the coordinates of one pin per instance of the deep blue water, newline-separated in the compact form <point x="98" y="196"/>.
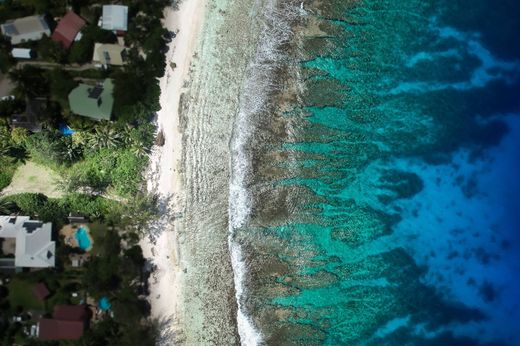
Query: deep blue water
<point x="389" y="212"/>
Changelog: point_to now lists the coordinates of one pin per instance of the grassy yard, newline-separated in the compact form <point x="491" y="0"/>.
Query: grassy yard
<point x="21" y="294"/>
<point x="7" y="172"/>
<point x="34" y="178"/>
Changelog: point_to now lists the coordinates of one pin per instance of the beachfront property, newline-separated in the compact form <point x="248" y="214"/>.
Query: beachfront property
<point x="93" y="101"/>
<point x="68" y="28"/>
<point x="33" y="246"/>
<point x="68" y="322"/>
<point x="114" y="18"/>
<point x="25" y="29"/>
<point x="106" y="54"/>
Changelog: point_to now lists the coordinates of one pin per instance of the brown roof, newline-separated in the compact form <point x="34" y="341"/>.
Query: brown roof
<point x="70" y="312"/>
<point x="41" y="291"/>
<point x="68" y="28"/>
<point x="52" y="329"/>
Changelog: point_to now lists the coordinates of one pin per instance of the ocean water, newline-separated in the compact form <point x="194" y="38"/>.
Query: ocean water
<point x="374" y="164"/>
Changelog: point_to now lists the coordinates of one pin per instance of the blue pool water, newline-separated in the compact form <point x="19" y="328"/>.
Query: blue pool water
<point x="104" y="304"/>
<point x="83" y="238"/>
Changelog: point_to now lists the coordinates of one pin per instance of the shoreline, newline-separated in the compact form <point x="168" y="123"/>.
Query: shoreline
<point x="161" y="246"/>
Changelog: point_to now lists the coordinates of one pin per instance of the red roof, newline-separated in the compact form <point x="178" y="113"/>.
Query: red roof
<point x="41" y="291"/>
<point x="70" y="312"/>
<point x="51" y="329"/>
<point x="67" y="29"/>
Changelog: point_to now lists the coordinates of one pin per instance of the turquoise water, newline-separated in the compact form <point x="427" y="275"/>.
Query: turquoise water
<point x="385" y="189"/>
<point x="104" y="304"/>
<point x="83" y="238"/>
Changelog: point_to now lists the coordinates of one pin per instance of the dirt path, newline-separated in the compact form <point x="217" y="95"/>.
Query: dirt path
<point x="34" y="178"/>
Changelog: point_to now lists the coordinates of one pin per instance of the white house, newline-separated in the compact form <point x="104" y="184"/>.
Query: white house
<point x="21" y="53"/>
<point x="34" y="247"/>
<point x="115" y="18"/>
<point x="26" y="29"/>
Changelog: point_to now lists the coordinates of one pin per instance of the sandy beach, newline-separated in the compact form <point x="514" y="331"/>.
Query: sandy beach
<point x="163" y="176"/>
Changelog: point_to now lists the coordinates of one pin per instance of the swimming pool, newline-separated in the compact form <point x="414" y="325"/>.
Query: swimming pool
<point x="83" y="238"/>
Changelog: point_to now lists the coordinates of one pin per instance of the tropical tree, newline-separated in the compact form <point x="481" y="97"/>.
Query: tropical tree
<point x="29" y="80"/>
<point x="69" y="150"/>
<point x="5" y="148"/>
<point x="105" y="136"/>
<point x="19" y="135"/>
<point x="6" y="207"/>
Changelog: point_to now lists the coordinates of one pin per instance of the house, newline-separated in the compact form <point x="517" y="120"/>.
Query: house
<point x="68" y="322"/>
<point x="106" y="54"/>
<point x="115" y="18"/>
<point x="22" y="53"/>
<point x="41" y="291"/>
<point x="93" y="101"/>
<point x="68" y="28"/>
<point x="34" y="247"/>
<point x="26" y="29"/>
<point x="29" y="118"/>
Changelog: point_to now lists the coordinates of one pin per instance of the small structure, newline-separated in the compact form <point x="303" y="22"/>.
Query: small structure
<point x="22" y="53"/>
<point x="68" y="322"/>
<point x="77" y="260"/>
<point x="34" y="247"/>
<point x="106" y="54"/>
<point x="41" y="291"/>
<point x="76" y="218"/>
<point x="95" y="102"/>
<point x="68" y="28"/>
<point x="115" y="18"/>
<point x="29" y="118"/>
<point x="26" y="29"/>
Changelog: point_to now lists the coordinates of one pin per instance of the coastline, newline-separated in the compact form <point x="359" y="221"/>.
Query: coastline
<point x="163" y="177"/>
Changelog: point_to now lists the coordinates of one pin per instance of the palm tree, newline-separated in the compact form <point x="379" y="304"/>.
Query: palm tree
<point x="70" y="151"/>
<point x="105" y="136"/>
<point x="140" y="150"/>
<point x="6" y="207"/>
<point x="5" y="148"/>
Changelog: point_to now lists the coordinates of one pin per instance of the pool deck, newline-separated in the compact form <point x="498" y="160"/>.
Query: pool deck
<point x="69" y="237"/>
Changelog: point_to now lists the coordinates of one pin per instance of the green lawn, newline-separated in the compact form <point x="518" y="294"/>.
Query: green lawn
<point x="21" y="293"/>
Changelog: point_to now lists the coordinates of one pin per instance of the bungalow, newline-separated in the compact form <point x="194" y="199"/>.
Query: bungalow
<point x="68" y="322"/>
<point x="106" y="54"/>
<point x="115" y="18"/>
<point x="34" y="247"/>
<point x="22" y="53"/>
<point x="25" y="29"/>
<point x="93" y="101"/>
<point x="68" y="28"/>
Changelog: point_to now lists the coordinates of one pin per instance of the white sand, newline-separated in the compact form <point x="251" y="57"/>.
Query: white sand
<point x="163" y="175"/>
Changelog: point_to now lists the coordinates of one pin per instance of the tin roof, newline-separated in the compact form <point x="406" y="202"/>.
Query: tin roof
<point x="68" y="28"/>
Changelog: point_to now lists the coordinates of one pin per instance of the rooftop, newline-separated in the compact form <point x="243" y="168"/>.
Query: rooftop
<point x="34" y="247"/>
<point x="115" y="17"/>
<point x="51" y="329"/>
<point x="68" y="28"/>
<point x="25" y="29"/>
<point x="68" y="323"/>
<point x="41" y="291"/>
<point x="93" y="101"/>
<point x="109" y="54"/>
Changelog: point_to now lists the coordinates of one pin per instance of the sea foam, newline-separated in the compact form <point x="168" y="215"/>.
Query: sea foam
<point x="259" y="84"/>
